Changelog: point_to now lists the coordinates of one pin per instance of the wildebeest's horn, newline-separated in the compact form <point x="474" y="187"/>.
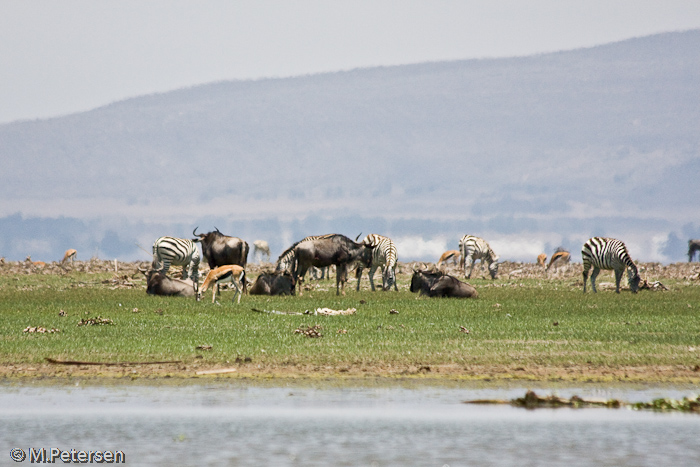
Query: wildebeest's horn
<point x="143" y="271"/>
<point x="217" y="229"/>
<point x="358" y="236"/>
<point x="194" y="232"/>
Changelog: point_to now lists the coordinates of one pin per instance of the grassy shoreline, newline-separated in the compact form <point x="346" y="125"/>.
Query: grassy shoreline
<point x="524" y="326"/>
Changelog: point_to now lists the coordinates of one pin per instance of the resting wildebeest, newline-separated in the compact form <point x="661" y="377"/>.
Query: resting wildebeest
<point x="331" y="249"/>
<point x="221" y="250"/>
<point x="439" y="284"/>
<point x="158" y="283"/>
<point x="273" y="283"/>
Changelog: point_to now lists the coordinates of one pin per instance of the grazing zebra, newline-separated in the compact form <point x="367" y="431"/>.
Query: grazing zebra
<point x="474" y="248"/>
<point x="384" y="255"/>
<point x="177" y="251"/>
<point x="693" y="246"/>
<point x="608" y="253"/>
<point x="286" y="259"/>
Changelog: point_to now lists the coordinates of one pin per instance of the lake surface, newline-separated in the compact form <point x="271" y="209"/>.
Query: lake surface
<point x="234" y="422"/>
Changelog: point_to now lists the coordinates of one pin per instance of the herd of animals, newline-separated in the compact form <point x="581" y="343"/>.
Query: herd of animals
<point x="227" y="258"/>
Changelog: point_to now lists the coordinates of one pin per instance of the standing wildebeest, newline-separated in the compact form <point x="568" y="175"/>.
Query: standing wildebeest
<point x="330" y="249"/>
<point x="158" y="283"/>
<point x="693" y="246"/>
<point x="439" y="284"/>
<point x="273" y="283"/>
<point x="221" y="250"/>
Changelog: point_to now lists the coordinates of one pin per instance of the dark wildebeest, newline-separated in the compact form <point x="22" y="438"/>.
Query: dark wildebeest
<point x="693" y="246"/>
<point x="331" y="249"/>
<point x="273" y="283"/>
<point x="158" y="283"/>
<point x="221" y="250"/>
<point x="439" y="284"/>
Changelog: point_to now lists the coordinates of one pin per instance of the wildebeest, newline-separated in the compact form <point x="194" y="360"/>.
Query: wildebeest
<point x="273" y="283"/>
<point x="232" y="273"/>
<point x="693" y="246"/>
<point x="158" y="283"/>
<point x="330" y="249"/>
<point x="439" y="284"/>
<point x="221" y="250"/>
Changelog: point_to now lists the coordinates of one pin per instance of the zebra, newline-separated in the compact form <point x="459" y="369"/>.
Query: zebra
<point x="178" y="251"/>
<point x="474" y="248"/>
<point x="384" y="255"/>
<point x="608" y="253"/>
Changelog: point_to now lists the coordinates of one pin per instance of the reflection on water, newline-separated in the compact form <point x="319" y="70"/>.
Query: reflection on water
<point x="239" y="423"/>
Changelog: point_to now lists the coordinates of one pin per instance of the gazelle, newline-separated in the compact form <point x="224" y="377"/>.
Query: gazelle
<point x="231" y="272"/>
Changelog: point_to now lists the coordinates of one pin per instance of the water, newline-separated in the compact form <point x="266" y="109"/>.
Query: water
<point x="254" y="424"/>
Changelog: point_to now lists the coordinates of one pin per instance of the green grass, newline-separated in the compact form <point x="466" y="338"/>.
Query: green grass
<point x="511" y="323"/>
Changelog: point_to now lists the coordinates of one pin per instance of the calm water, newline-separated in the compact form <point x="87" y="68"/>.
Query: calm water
<point x="239" y="423"/>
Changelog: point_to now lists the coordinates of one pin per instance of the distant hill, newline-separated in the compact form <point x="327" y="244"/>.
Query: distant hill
<point x="587" y="141"/>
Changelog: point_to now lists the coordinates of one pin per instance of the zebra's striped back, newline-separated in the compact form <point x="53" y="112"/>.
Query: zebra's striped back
<point x="475" y="248"/>
<point x="384" y="255"/>
<point x="608" y="253"/>
<point x="178" y="251"/>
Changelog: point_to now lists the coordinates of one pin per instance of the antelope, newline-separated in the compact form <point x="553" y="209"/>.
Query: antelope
<point x="449" y="255"/>
<point x="541" y="259"/>
<point x="38" y="264"/>
<point x="70" y="254"/>
<point x="231" y="272"/>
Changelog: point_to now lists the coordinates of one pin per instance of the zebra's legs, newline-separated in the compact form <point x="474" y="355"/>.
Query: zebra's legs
<point x="372" y="270"/>
<point x="470" y="262"/>
<point x="594" y="274"/>
<point x="618" y="278"/>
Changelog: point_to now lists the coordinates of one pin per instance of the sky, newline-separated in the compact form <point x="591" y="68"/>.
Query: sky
<point x="58" y="58"/>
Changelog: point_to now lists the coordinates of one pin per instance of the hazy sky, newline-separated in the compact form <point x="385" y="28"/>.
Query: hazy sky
<point x="59" y="57"/>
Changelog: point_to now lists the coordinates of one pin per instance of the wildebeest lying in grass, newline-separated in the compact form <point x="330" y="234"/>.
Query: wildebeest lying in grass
<point x="273" y="283"/>
<point x="439" y="284"/>
<point x="158" y="283"/>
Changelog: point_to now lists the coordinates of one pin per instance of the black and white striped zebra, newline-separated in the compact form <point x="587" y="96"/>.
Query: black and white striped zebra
<point x="475" y="248"/>
<point x="608" y="253"/>
<point x="178" y="251"/>
<point x="384" y="255"/>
